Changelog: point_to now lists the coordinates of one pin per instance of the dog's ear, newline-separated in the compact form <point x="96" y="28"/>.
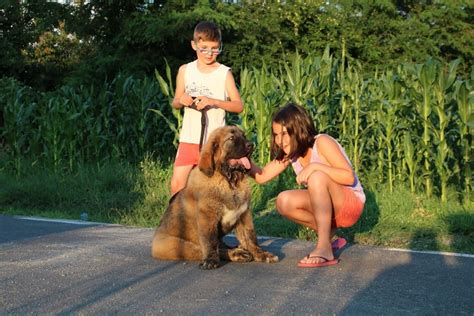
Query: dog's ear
<point x="207" y="163"/>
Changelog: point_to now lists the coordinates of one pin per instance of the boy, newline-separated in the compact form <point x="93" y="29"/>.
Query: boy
<point x="203" y="85"/>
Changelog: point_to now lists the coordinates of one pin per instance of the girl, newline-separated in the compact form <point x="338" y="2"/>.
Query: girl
<point x="333" y="196"/>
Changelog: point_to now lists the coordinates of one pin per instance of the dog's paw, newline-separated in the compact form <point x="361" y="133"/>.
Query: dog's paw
<point x="209" y="264"/>
<point x="265" y="256"/>
<point x="240" y="255"/>
<point x="271" y="258"/>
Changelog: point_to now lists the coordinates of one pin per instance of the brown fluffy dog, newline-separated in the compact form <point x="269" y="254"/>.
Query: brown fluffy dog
<point x="215" y="201"/>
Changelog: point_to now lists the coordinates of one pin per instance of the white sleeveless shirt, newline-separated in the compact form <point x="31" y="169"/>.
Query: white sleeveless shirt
<point x="211" y="85"/>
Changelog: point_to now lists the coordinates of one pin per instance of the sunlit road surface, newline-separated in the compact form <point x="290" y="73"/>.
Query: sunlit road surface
<point x="49" y="267"/>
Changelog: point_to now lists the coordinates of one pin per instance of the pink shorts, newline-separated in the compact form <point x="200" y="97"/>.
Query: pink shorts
<point x="351" y="210"/>
<point x="187" y="155"/>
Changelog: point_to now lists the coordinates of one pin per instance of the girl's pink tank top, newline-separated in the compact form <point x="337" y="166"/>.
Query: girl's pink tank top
<point x="356" y="186"/>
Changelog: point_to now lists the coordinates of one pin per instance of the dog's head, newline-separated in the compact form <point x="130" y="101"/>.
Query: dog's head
<point x="226" y="151"/>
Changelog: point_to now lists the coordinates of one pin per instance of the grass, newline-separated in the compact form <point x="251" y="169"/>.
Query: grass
<point x="115" y="193"/>
<point x="137" y="195"/>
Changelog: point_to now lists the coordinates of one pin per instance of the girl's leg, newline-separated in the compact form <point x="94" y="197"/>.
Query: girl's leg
<point x="296" y="206"/>
<point x="314" y="208"/>
<point x="327" y="198"/>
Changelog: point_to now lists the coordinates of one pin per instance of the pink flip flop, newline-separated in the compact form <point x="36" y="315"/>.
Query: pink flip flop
<point x="326" y="262"/>
<point x="338" y="243"/>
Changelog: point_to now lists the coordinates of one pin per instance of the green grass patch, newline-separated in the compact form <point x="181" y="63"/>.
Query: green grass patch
<point x="116" y="193"/>
<point x="137" y="195"/>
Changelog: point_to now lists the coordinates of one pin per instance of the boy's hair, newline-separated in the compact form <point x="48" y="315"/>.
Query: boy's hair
<point x="207" y="31"/>
<point x="300" y="128"/>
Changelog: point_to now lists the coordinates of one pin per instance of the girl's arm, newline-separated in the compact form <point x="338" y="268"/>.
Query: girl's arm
<point x="270" y="171"/>
<point x="339" y="170"/>
<point x="181" y="99"/>
<point x="232" y="104"/>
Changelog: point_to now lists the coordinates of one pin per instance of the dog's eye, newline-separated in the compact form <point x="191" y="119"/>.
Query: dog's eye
<point x="231" y="138"/>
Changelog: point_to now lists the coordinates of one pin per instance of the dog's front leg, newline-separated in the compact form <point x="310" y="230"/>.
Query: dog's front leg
<point x="247" y="237"/>
<point x="209" y="240"/>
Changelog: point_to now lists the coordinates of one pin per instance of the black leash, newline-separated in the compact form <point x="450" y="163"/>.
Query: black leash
<point x="203" y="126"/>
<point x="203" y="121"/>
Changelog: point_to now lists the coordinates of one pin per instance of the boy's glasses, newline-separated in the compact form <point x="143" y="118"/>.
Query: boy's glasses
<point x="212" y="51"/>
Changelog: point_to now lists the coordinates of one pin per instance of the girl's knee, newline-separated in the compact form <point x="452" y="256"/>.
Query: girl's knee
<point x="318" y="180"/>
<point x="283" y="203"/>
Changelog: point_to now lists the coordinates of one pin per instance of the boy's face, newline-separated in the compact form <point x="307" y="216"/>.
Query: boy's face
<point x="206" y="51"/>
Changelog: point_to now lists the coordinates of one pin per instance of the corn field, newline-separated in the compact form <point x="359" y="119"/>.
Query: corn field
<point x="411" y="125"/>
<point x="72" y="126"/>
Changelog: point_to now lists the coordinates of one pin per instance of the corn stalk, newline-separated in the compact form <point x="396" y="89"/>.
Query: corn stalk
<point x="465" y="101"/>
<point x="167" y="89"/>
<point x="411" y="159"/>
<point x="260" y="98"/>
<point x="353" y="97"/>
<point x="18" y="107"/>
<point x="427" y="76"/>
<point x="442" y="87"/>
<point x="323" y="99"/>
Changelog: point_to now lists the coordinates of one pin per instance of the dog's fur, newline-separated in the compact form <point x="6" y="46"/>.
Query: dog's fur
<point x="215" y="201"/>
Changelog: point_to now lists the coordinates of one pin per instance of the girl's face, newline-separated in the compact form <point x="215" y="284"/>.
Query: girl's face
<point x="282" y="139"/>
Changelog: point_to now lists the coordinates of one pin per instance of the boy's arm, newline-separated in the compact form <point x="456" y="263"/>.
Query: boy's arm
<point x="232" y="104"/>
<point x="270" y="171"/>
<point x="181" y="99"/>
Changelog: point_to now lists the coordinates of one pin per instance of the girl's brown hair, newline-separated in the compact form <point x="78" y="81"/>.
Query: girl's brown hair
<point x="207" y="31"/>
<point x="300" y="128"/>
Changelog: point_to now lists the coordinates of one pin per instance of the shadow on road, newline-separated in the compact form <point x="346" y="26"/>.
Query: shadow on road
<point x="11" y="229"/>
<point x="418" y="283"/>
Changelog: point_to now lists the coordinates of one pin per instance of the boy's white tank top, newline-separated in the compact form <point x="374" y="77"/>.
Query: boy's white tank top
<point x="211" y="85"/>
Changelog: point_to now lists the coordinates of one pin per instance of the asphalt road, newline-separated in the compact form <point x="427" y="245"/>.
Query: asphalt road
<point x="67" y="268"/>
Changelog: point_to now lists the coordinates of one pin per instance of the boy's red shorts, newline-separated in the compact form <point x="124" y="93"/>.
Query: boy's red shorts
<point x="187" y="155"/>
<point x="351" y="210"/>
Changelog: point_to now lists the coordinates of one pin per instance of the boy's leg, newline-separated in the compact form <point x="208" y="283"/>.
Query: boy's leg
<point x="187" y="157"/>
<point x="180" y="178"/>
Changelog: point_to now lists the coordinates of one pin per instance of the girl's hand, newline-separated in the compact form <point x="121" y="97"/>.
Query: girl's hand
<point x="303" y="176"/>
<point x="270" y="171"/>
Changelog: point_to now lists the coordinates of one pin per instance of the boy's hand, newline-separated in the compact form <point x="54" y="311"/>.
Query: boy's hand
<point x="186" y="100"/>
<point x="202" y="102"/>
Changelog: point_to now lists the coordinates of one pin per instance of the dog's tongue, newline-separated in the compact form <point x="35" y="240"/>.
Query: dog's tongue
<point x="244" y="161"/>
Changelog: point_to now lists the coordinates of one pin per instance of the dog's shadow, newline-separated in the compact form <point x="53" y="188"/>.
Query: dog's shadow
<point x="282" y="247"/>
<point x="274" y="245"/>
